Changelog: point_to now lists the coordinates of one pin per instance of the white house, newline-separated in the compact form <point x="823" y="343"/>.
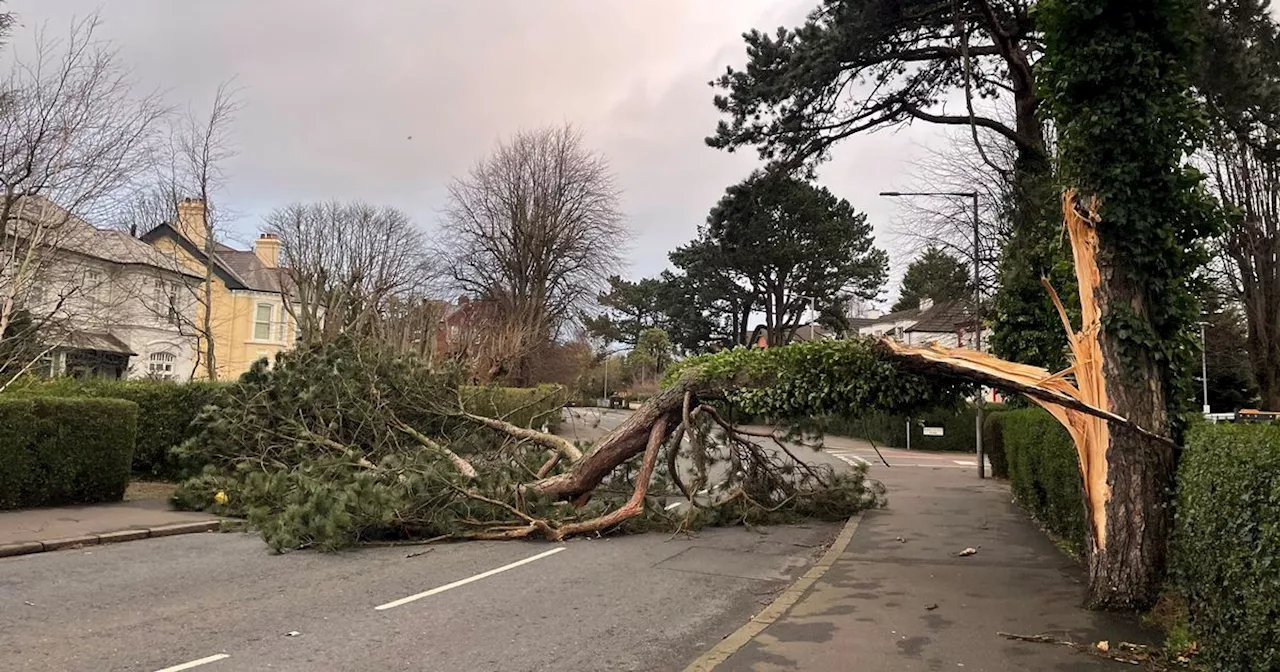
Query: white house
<point x="947" y="323"/>
<point x="111" y="305"/>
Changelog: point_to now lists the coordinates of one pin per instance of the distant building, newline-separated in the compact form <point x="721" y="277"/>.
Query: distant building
<point x="249" y="320"/>
<point x="948" y="323"/>
<point x="111" y="306"/>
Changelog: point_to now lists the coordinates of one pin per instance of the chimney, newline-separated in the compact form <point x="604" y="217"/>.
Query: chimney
<point x="267" y="248"/>
<point x="191" y="223"/>
<point x="925" y="304"/>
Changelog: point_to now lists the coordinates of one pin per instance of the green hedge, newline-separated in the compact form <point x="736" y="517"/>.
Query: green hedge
<point x="1044" y="472"/>
<point x="165" y="412"/>
<point x="958" y="427"/>
<point x="58" y="451"/>
<point x="1226" y="548"/>
<point x="993" y="443"/>
<point x="524" y="406"/>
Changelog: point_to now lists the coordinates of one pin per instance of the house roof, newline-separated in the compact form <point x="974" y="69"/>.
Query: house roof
<point x="84" y="340"/>
<point x="240" y="269"/>
<point x="76" y="235"/>
<point x="945" y="317"/>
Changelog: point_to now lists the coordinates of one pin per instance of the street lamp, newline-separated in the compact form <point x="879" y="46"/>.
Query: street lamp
<point x="977" y="300"/>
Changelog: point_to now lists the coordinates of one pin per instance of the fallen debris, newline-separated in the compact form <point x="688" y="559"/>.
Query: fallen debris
<point x="967" y="552"/>
<point x="1151" y="658"/>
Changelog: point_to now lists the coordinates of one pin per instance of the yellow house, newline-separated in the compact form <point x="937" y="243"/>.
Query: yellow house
<point x="248" y="310"/>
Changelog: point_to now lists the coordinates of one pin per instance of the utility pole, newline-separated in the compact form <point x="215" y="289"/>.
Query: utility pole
<point x="980" y="407"/>
<point x="1204" y="366"/>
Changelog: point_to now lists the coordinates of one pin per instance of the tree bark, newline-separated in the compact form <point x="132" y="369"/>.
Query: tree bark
<point x="623" y="443"/>
<point x="1127" y="568"/>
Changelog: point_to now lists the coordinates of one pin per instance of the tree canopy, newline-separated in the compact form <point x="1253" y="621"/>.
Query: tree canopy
<point x="934" y="275"/>
<point x="794" y="244"/>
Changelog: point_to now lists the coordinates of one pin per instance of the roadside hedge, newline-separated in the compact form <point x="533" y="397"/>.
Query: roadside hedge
<point x="525" y="406"/>
<point x="165" y="412"/>
<point x="1044" y="472"/>
<point x="59" y="451"/>
<point x="958" y="427"/>
<point x="1226" y="548"/>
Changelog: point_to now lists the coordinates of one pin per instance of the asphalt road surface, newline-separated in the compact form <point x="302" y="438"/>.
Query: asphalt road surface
<point x="224" y="602"/>
<point x="630" y="603"/>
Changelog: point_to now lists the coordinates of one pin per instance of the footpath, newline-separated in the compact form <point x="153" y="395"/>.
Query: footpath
<point x="900" y="597"/>
<point x="38" y="530"/>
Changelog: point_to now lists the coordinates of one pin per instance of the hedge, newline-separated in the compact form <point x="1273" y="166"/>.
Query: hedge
<point x="58" y="451"/>
<point x="958" y="427"/>
<point x="165" y="412"/>
<point x="1226" y="549"/>
<point x="524" y="406"/>
<point x="1044" y="472"/>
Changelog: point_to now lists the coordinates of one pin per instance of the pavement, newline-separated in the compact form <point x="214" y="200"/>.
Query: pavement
<point x="899" y="597"/>
<point x="37" y="530"/>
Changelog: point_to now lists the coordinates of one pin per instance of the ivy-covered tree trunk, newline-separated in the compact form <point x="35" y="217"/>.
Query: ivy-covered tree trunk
<point x="1126" y="567"/>
<point x="1115" y="79"/>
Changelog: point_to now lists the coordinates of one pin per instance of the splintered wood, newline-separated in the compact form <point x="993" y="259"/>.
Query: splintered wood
<point x="1077" y="396"/>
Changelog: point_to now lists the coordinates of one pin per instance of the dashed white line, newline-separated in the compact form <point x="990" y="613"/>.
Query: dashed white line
<point x="196" y="663"/>
<point x="673" y="505"/>
<point x="965" y="463"/>
<point x="463" y="582"/>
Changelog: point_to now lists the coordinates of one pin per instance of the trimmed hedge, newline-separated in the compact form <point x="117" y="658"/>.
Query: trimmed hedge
<point x="958" y="427"/>
<point x="1044" y="472"/>
<point x="59" y="451"/>
<point x="165" y="412"/>
<point x="525" y="406"/>
<point x="1226" y="549"/>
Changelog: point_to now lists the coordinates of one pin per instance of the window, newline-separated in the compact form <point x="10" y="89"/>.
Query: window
<point x="93" y="286"/>
<point x="262" y="322"/>
<point x="174" y="316"/>
<point x="160" y="365"/>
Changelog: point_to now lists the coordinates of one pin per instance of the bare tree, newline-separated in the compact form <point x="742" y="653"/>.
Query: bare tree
<point x="946" y="223"/>
<point x="345" y="263"/>
<point x="186" y="177"/>
<point x="535" y="231"/>
<point x="73" y="132"/>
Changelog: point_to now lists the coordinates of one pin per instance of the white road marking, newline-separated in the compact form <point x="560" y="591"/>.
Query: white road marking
<point x="196" y="663"/>
<point x="673" y="505"/>
<point x="463" y="582"/>
<point x="965" y="463"/>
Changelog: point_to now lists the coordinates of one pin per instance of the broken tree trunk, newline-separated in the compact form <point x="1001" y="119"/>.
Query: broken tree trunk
<point x="1114" y="410"/>
<point x="625" y="442"/>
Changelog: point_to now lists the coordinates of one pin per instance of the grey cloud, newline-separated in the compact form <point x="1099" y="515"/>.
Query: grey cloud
<point x="386" y="101"/>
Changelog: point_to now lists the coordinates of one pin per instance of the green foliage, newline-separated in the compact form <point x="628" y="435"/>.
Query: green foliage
<point x="535" y="407"/>
<point x="1044" y="471"/>
<point x="934" y="275"/>
<point x="789" y="239"/>
<point x="57" y="451"/>
<point x="1115" y="82"/>
<point x="1226" y="549"/>
<point x="958" y="426"/>
<point x="629" y="309"/>
<point x="815" y="378"/>
<point x="993" y="443"/>
<point x="165" y="413"/>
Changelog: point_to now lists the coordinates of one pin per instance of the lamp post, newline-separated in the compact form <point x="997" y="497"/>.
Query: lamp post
<point x="977" y="303"/>
<point x="1204" y="366"/>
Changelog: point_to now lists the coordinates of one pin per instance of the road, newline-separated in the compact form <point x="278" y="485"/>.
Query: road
<point x="632" y="603"/>
<point x="224" y="602"/>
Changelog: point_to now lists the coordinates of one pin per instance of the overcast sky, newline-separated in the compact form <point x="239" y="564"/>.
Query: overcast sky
<point x="386" y="101"/>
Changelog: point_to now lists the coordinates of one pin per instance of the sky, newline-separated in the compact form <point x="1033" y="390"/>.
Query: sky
<point x="388" y="101"/>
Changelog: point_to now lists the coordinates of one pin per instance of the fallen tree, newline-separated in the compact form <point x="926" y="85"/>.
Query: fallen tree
<point x="346" y="443"/>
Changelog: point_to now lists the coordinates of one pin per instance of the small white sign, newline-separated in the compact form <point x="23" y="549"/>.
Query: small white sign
<point x="933" y="431"/>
